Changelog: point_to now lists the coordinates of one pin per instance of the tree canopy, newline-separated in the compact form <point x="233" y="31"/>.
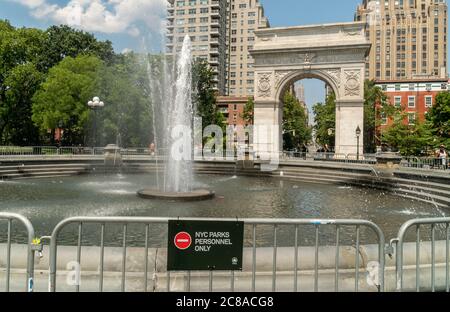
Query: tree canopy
<point x="126" y="117"/>
<point x="325" y="121"/>
<point x="249" y="108"/>
<point x="204" y="97"/>
<point x="438" y="120"/>
<point x="27" y="57"/>
<point x="296" y="131"/>
<point x="61" y="100"/>
<point x="63" y="41"/>
<point x="409" y="139"/>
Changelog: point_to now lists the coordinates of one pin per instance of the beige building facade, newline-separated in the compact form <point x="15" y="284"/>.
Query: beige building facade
<point x="205" y="21"/>
<point x="245" y="17"/>
<point x="409" y="38"/>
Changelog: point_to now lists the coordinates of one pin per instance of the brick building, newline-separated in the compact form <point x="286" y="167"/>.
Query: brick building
<point x="233" y="109"/>
<point x="415" y="96"/>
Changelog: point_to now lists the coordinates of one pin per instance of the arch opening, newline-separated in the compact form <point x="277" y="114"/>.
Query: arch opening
<point x="301" y="96"/>
<point x="301" y="75"/>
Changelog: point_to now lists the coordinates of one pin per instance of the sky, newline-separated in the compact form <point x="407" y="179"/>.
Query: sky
<point x="131" y="23"/>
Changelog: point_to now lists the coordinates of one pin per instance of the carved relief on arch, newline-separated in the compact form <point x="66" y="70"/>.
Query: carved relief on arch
<point x="335" y="75"/>
<point x="264" y="84"/>
<point x="352" y="82"/>
<point x="279" y="76"/>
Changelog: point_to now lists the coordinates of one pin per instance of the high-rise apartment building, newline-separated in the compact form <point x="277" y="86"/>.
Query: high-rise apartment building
<point x="205" y="21"/>
<point x="221" y="32"/>
<point x="245" y="17"/>
<point x="409" y="38"/>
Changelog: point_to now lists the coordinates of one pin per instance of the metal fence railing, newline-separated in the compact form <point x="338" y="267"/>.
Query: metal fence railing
<point x="13" y="152"/>
<point x="326" y="156"/>
<point x="48" y="151"/>
<point x="425" y="273"/>
<point x="422" y="255"/>
<point x="11" y="219"/>
<point x="425" y="163"/>
<point x="337" y="228"/>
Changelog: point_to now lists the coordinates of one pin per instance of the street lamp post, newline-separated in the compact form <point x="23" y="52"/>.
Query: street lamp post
<point x="358" y="134"/>
<point x="94" y="105"/>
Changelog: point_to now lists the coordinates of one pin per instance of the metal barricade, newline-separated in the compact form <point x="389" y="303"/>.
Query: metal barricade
<point x="251" y="225"/>
<point x="434" y="223"/>
<point x="9" y="218"/>
<point x="425" y="163"/>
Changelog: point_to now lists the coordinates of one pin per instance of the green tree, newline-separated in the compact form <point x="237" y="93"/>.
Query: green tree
<point x="63" y="41"/>
<point x="376" y="105"/>
<point x="61" y="100"/>
<point x="126" y="117"/>
<point x="296" y="131"/>
<point x="248" y="114"/>
<point x="325" y="121"/>
<point x="18" y="128"/>
<point x="204" y="96"/>
<point x="19" y="49"/>
<point x="408" y="139"/>
<point x="26" y="56"/>
<point x="438" y="120"/>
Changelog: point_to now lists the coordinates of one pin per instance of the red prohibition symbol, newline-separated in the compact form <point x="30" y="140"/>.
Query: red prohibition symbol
<point x="183" y="240"/>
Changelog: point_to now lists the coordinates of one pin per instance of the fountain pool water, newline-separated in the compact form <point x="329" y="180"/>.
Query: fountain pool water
<point x="173" y="94"/>
<point x="48" y="201"/>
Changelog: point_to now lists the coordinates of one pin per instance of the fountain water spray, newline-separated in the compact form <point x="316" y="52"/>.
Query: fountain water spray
<point x="178" y="170"/>
<point x="173" y="115"/>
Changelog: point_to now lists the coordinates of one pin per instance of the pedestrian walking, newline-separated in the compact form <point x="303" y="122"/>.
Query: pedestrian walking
<point x="442" y="156"/>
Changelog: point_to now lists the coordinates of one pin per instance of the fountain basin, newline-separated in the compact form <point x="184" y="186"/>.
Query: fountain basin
<point x="195" y="195"/>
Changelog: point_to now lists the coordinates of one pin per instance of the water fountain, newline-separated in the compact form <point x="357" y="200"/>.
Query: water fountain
<point x="174" y="95"/>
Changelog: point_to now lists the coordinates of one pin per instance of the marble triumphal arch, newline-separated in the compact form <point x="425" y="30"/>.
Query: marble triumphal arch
<point x="334" y="53"/>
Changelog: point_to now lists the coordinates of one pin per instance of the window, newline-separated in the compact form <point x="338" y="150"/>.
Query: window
<point x="411" y="101"/>
<point x="428" y="101"/>
<point x="411" y="118"/>
<point x="397" y="87"/>
<point x="383" y="118"/>
<point x="398" y="101"/>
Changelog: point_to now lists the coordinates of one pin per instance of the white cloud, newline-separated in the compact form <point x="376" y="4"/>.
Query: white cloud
<point x="105" y="16"/>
